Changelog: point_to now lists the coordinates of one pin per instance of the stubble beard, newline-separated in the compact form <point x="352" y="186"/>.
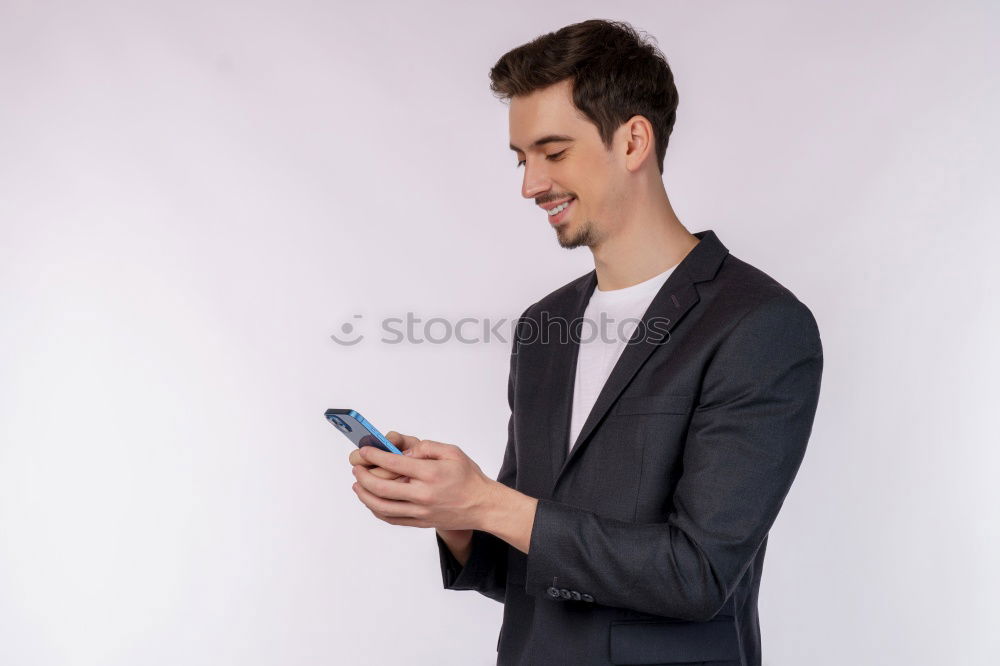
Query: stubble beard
<point x="586" y="236"/>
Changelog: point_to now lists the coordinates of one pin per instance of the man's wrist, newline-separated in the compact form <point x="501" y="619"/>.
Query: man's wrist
<point x="490" y="505"/>
<point x="507" y="514"/>
<point x="460" y="537"/>
<point x="459" y="542"/>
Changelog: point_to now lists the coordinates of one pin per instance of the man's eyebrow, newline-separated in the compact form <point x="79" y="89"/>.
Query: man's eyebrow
<point x="551" y="138"/>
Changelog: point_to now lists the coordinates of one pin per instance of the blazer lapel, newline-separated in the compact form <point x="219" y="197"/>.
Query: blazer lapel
<point x="562" y="371"/>
<point x="674" y="299"/>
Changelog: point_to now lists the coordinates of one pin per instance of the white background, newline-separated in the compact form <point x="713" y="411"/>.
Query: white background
<point x="194" y="196"/>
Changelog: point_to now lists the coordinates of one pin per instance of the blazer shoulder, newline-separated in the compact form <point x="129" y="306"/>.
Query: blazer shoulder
<point x="751" y="294"/>
<point x="746" y="283"/>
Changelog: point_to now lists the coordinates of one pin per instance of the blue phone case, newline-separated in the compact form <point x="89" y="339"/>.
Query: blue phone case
<point x="357" y="429"/>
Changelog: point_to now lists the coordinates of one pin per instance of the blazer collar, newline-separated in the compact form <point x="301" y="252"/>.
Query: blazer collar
<point x="674" y="299"/>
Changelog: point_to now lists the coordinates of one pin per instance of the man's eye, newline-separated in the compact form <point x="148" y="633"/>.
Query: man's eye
<point x="554" y="157"/>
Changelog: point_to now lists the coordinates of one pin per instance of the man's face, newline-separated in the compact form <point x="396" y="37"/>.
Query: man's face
<point x="576" y="166"/>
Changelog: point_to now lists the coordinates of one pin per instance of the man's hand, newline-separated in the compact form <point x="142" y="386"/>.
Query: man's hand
<point x="431" y="485"/>
<point x="402" y="442"/>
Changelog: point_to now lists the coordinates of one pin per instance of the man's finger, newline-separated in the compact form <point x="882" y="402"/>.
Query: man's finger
<point x="405" y="522"/>
<point x="379" y="472"/>
<point x="429" y="449"/>
<point x="387" y="488"/>
<point x="355" y="459"/>
<point x="406" y="465"/>
<point x="386" y="507"/>
<point x="402" y="442"/>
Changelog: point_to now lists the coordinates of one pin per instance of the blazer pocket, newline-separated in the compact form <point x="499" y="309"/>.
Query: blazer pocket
<point x="654" y="404"/>
<point x="675" y="642"/>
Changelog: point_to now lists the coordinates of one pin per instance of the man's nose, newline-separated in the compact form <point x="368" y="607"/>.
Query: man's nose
<point x="535" y="182"/>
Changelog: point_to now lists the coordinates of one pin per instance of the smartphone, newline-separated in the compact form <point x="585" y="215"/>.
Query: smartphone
<point x="357" y="429"/>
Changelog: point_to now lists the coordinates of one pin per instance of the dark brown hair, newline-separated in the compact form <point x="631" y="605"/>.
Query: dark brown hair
<point x="616" y="75"/>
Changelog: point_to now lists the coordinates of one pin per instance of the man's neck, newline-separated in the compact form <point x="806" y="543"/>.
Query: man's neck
<point x="641" y="250"/>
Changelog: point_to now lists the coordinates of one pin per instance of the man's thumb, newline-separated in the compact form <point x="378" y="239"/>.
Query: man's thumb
<point x="424" y="449"/>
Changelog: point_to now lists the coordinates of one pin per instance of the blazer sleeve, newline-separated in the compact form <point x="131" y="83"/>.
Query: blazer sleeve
<point x="486" y="569"/>
<point x="743" y="448"/>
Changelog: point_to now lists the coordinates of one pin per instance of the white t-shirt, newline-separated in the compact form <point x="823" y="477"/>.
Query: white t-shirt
<point x="609" y="321"/>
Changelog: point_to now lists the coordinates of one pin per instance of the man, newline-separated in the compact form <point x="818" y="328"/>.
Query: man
<point x="629" y="519"/>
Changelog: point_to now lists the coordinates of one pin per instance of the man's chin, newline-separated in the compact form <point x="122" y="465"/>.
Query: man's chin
<point x="565" y="239"/>
<point x="571" y="240"/>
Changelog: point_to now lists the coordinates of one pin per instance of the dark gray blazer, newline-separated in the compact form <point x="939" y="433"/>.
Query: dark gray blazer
<point x="649" y="537"/>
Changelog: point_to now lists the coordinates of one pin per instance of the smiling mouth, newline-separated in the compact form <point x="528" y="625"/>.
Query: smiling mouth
<point x="560" y="216"/>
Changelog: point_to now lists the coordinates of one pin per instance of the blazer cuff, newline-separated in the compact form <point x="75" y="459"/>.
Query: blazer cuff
<point x="550" y="561"/>
<point x="478" y="567"/>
